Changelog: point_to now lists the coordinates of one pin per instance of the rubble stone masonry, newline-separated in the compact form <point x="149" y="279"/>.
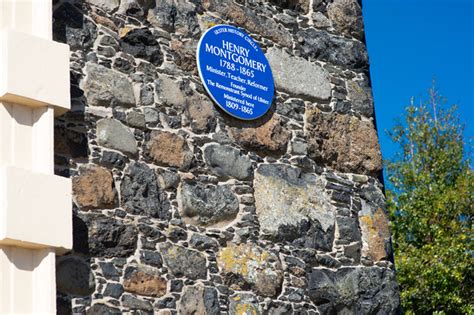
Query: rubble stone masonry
<point x="180" y="208"/>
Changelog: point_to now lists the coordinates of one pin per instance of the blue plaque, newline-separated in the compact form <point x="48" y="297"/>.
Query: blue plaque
<point x="235" y="72"/>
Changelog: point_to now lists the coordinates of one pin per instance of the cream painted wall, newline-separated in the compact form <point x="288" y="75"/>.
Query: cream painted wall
<point x="35" y="205"/>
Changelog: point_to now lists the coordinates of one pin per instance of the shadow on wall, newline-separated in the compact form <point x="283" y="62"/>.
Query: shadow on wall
<point x="74" y="277"/>
<point x="24" y="259"/>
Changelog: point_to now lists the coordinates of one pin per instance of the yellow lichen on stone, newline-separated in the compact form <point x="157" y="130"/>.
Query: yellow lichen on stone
<point x="235" y="259"/>
<point x="240" y="259"/>
<point x="173" y="252"/>
<point x="259" y="268"/>
<point x="245" y="309"/>
<point x="375" y="231"/>
<point x="124" y="31"/>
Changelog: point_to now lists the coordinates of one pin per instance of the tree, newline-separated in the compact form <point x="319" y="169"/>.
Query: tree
<point x="430" y="195"/>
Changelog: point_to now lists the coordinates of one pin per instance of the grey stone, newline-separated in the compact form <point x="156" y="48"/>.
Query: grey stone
<point x="183" y="262"/>
<point x="167" y="302"/>
<point x="146" y="95"/>
<point x="141" y="193"/>
<point x="114" y="290"/>
<point x="320" y="20"/>
<point x="102" y="309"/>
<point x="131" y="302"/>
<point x="106" y="51"/>
<point x="136" y="119"/>
<point x="292" y="108"/>
<point x="202" y="242"/>
<point x="327" y="261"/>
<point x="296" y="295"/>
<point x="121" y="64"/>
<point x="353" y="251"/>
<point x="106" y="40"/>
<point x="162" y="15"/>
<point x="278" y="309"/>
<point x="298" y="76"/>
<point x="298" y="147"/>
<point x="151" y="115"/>
<point x="113" y="134"/>
<point x="151" y="258"/>
<point x="170" y="91"/>
<point x="176" y="234"/>
<point x="348" y="228"/>
<point x="372" y="193"/>
<point x="360" y="95"/>
<point x="287" y="20"/>
<point x="346" y="16"/>
<point x="141" y="43"/>
<point x="175" y="16"/>
<point x="355" y="290"/>
<point x="336" y="50"/>
<point x="167" y="179"/>
<point x="74" y="276"/>
<point x="226" y="161"/>
<point x="108" y="270"/>
<point x="244" y="303"/>
<point x="112" y="158"/>
<point x="293" y="206"/>
<point x="208" y="205"/>
<point x="106" y="87"/>
<point x="199" y="300"/>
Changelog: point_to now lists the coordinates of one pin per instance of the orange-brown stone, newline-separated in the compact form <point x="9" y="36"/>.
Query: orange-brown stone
<point x="200" y="113"/>
<point x="185" y="54"/>
<point x="145" y="282"/>
<point x="170" y="149"/>
<point x="270" y="136"/>
<point x="94" y="188"/>
<point x="375" y="234"/>
<point x="343" y="142"/>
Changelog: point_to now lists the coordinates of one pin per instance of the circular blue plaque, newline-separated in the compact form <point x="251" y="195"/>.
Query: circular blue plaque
<point x="235" y="72"/>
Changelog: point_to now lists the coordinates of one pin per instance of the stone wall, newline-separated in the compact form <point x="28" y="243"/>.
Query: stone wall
<point x="179" y="208"/>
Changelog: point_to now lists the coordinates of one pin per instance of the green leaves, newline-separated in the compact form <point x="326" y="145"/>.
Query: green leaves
<point x="430" y="198"/>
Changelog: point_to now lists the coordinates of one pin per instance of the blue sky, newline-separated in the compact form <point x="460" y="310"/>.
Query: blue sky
<point x="409" y="43"/>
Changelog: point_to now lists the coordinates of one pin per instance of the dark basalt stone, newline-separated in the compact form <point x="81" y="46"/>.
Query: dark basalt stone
<point x="184" y="262"/>
<point x="141" y="193"/>
<point x="336" y="50"/>
<point x="74" y="276"/>
<point x="141" y="43"/>
<point x="207" y="205"/>
<point x="71" y="27"/>
<point x="354" y="290"/>
<point x="106" y="237"/>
